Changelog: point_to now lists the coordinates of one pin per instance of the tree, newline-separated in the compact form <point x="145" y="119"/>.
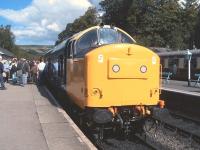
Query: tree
<point x="89" y="19"/>
<point x="116" y="12"/>
<point x="189" y="21"/>
<point x="150" y="22"/>
<point x="169" y="23"/>
<point x="197" y="32"/>
<point x="6" y="37"/>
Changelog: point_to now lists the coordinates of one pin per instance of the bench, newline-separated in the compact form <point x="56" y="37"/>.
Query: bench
<point x="166" y="76"/>
<point x="198" y="79"/>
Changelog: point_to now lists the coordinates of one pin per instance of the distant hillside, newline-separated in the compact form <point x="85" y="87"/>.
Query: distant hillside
<point x="36" y="49"/>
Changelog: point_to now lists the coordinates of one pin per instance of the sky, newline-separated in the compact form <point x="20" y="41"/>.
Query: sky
<point x="38" y="22"/>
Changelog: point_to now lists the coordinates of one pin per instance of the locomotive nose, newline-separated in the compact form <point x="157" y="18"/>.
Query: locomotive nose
<point x="123" y="76"/>
<point x="127" y="68"/>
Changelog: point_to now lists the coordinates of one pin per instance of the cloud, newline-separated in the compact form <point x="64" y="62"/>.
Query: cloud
<point x="96" y="2"/>
<point x="42" y="20"/>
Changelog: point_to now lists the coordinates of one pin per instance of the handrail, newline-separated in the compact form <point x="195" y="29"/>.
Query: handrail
<point x="160" y="78"/>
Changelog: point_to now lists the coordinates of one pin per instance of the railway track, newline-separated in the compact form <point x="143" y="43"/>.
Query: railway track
<point x="180" y="123"/>
<point x="111" y="142"/>
<point x="186" y="117"/>
<point x="132" y="142"/>
<point x="167" y="132"/>
<point x="183" y="130"/>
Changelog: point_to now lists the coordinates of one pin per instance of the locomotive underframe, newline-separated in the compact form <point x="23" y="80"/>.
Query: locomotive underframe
<point x="126" y="121"/>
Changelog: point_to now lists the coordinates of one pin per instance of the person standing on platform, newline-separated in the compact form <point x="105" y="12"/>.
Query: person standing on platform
<point x="1" y="74"/>
<point x="23" y="70"/>
<point x="41" y="66"/>
<point x="6" y="70"/>
<point x="13" y="69"/>
<point x="34" y="70"/>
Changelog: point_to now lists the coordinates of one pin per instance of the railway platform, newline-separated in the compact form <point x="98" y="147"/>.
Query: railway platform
<point x="181" y="87"/>
<point x="181" y="98"/>
<point x="31" y="119"/>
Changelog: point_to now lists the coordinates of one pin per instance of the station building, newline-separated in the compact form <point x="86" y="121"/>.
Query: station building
<point x="6" y="54"/>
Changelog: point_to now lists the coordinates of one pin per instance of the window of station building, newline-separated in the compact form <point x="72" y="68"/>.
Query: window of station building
<point x="198" y="62"/>
<point x="185" y="63"/>
<point x="181" y="63"/>
<point x="171" y="62"/>
<point x="166" y="63"/>
<point x="86" y="42"/>
<point x="194" y="62"/>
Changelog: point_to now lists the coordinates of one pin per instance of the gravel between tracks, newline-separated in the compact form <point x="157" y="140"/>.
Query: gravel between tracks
<point x="169" y="138"/>
<point x="114" y="144"/>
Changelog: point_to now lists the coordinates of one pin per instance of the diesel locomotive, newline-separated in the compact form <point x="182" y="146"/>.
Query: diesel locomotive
<point x="110" y="79"/>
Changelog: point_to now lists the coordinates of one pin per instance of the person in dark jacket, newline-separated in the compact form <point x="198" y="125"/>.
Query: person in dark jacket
<point x="1" y="74"/>
<point x="13" y="67"/>
<point x="25" y="69"/>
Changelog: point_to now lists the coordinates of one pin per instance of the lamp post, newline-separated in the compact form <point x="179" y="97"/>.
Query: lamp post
<point x="189" y="57"/>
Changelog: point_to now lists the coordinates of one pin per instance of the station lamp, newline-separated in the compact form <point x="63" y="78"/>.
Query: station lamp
<point x="189" y="57"/>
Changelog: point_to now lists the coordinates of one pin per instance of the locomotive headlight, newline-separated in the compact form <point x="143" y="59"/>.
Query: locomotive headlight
<point x="143" y="69"/>
<point x="115" y="68"/>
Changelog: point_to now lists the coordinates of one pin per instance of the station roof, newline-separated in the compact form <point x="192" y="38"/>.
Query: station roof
<point x="6" y="52"/>
<point x="179" y="53"/>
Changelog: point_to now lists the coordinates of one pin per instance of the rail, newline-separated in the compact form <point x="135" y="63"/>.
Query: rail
<point x="179" y="128"/>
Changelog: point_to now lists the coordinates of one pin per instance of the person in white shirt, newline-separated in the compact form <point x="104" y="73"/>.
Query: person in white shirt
<point x="41" y="67"/>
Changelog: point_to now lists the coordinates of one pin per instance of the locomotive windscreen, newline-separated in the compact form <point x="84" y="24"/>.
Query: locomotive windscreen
<point x="110" y="36"/>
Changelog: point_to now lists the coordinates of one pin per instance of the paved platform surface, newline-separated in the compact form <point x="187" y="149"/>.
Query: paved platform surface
<point x="31" y="120"/>
<point x="181" y="87"/>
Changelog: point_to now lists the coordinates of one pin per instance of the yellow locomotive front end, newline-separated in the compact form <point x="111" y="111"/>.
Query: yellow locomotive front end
<point x="122" y="80"/>
<point x="122" y="75"/>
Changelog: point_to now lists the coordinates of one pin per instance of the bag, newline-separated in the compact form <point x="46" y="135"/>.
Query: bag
<point x="19" y="73"/>
<point x="4" y="74"/>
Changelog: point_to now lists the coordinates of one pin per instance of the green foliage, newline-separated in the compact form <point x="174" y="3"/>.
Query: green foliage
<point x="89" y="19"/>
<point x="157" y="23"/>
<point x="7" y="41"/>
<point x="6" y="37"/>
<point x="189" y="21"/>
<point x="116" y="12"/>
<point x="197" y="32"/>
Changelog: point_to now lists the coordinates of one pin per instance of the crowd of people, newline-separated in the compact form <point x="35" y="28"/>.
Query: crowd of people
<point x="20" y="71"/>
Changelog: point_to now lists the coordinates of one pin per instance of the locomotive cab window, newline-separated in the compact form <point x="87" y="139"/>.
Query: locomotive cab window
<point x="110" y="36"/>
<point x="107" y="36"/>
<point x="123" y="38"/>
<point x="88" y="41"/>
<point x="70" y="49"/>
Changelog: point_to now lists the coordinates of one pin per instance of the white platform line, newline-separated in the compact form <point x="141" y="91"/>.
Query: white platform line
<point x="181" y="91"/>
<point x="71" y="122"/>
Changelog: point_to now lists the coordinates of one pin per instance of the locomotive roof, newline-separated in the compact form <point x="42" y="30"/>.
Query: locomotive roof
<point x="179" y="53"/>
<point x="78" y="35"/>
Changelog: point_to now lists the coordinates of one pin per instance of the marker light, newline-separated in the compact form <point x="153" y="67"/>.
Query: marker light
<point x="143" y="69"/>
<point x="115" y="68"/>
